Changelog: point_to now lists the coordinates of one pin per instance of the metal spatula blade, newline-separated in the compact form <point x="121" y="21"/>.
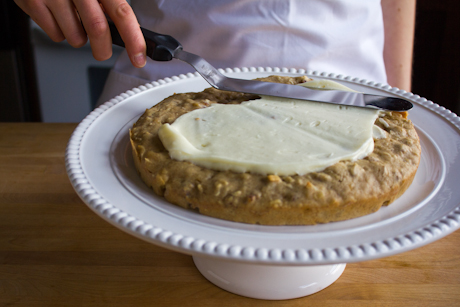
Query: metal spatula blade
<point x="165" y="48"/>
<point x="219" y="81"/>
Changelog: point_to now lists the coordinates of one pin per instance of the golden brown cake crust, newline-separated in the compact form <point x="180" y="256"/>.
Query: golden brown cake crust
<point x="342" y="191"/>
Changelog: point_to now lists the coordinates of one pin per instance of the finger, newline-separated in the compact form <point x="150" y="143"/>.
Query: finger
<point x="96" y="27"/>
<point x="126" y="22"/>
<point x="39" y="12"/>
<point x="68" y="20"/>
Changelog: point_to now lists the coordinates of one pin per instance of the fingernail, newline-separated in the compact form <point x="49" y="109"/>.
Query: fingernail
<point x="139" y="60"/>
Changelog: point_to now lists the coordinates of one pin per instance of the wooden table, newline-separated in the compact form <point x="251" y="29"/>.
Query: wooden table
<point x="54" y="251"/>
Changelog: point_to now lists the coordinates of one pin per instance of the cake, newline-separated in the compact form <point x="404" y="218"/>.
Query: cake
<point x="344" y="190"/>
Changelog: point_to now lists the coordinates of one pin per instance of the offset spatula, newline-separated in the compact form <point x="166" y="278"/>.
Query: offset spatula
<point x="165" y="48"/>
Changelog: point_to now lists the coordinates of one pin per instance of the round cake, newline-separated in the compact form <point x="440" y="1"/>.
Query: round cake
<point x="344" y="190"/>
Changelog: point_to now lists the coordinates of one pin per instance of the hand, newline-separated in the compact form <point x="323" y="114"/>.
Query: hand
<point x="63" y="19"/>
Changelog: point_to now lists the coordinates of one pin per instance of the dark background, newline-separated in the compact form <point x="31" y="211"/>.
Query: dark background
<point x="436" y="66"/>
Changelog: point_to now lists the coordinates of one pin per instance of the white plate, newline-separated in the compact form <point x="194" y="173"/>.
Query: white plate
<point x="99" y="165"/>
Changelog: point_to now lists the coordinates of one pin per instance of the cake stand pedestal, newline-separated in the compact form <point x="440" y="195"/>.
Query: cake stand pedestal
<point x="268" y="281"/>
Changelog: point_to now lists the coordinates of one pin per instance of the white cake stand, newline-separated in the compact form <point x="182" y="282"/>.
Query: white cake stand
<point x="265" y="262"/>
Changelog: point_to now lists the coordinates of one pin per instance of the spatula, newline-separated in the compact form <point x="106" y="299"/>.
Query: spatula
<point x="165" y="48"/>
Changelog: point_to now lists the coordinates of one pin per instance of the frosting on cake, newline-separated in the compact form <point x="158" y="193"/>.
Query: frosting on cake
<point x="273" y="135"/>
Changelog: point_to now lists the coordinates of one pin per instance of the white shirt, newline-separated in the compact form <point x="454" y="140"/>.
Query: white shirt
<point x="335" y="36"/>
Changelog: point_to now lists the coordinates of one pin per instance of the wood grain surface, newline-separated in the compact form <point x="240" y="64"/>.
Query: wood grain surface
<point x="54" y="251"/>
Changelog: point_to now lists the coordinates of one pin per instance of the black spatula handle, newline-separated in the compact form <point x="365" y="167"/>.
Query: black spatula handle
<point x="159" y="47"/>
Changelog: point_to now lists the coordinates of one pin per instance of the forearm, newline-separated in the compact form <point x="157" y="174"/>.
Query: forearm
<point x="399" y="25"/>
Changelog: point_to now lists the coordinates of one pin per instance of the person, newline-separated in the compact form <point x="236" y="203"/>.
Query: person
<point x="370" y="39"/>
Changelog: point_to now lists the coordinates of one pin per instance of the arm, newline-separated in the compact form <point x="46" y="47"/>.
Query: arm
<point x="399" y="25"/>
<point x="63" y="20"/>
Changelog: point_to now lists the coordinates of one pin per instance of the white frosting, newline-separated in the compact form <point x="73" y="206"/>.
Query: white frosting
<point x="272" y="136"/>
<point x="322" y="84"/>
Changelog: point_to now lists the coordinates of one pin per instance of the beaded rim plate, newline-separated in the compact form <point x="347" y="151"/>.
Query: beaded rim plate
<point x="101" y="170"/>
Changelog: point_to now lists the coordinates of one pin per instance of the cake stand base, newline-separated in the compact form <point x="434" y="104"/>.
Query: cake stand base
<point x="269" y="282"/>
